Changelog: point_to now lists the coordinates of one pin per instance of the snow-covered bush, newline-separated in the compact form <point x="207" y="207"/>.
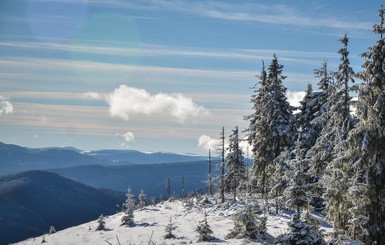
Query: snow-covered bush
<point x="128" y="209"/>
<point x="169" y="229"/>
<point x="301" y="232"/>
<point x="204" y="230"/>
<point x="142" y="199"/>
<point x="52" y="229"/>
<point x="246" y="224"/>
<point x="101" y="223"/>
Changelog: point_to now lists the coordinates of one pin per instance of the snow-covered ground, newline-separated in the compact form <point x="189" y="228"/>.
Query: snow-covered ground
<point x="151" y="221"/>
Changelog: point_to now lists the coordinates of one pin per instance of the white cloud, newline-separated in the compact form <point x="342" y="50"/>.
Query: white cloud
<point x="93" y="95"/>
<point x="5" y="106"/>
<point x="127" y="102"/>
<point x="294" y="97"/>
<point x="208" y="143"/>
<point x="129" y="137"/>
<point x="246" y="148"/>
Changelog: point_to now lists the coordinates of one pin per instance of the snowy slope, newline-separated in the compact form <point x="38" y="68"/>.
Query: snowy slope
<point x="151" y="221"/>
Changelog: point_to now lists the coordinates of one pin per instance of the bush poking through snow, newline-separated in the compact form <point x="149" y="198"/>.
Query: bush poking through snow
<point x="169" y="229"/>
<point x="142" y="199"/>
<point x="204" y="230"/>
<point x="101" y="223"/>
<point x="301" y="232"/>
<point x="246" y="224"/>
<point x="52" y="229"/>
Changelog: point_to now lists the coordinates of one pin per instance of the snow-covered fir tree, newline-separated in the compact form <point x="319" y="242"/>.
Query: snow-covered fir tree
<point x="170" y="227"/>
<point x="270" y="128"/>
<point x="142" y="199"/>
<point x="255" y="133"/>
<point x="298" y="186"/>
<point x="311" y="106"/>
<point x="334" y="172"/>
<point x="128" y="209"/>
<point x="247" y="224"/>
<point x="301" y="232"/>
<point x="235" y="176"/>
<point x="365" y="146"/>
<point x="204" y="230"/>
<point x="281" y="123"/>
<point x="101" y="223"/>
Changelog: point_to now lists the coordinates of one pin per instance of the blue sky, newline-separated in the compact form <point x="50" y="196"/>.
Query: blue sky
<point x="154" y="75"/>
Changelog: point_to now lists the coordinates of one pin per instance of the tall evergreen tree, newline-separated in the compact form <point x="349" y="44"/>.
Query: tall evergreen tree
<point x="259" y="99"/>
<point x="336" y="174"/>
<point x="236" y="169"/>
<point x="365" y="147"/>
<point x="270" y="126"/>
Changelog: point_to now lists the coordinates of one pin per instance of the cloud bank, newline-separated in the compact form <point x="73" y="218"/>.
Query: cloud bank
<point x="127" y="102"/>
<point x="5" y="106"/>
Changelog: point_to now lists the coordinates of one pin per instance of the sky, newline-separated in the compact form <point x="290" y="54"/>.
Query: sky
<point x="157" y="75"/>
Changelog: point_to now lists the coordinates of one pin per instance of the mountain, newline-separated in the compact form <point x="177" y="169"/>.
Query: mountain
<point x="32" y="201"/>
<point x="15" y="158"/>
<point x="120" y="157"/>
<point x="148" y="177"/>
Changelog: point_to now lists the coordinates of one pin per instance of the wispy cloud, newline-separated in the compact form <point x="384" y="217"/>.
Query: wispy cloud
<point x="164" y="50"/>
<point x="269" y="13"/>
<point x="5" y="106"/>
<point x="93" y="95"/>
<point x="127" y="102"/>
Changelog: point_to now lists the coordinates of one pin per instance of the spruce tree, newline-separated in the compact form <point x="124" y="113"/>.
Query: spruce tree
<point x="128" y="209"/>
<point x="365" y="146"/>
<point x="296" y="192"/>
<point x="142" y="199"/>
<point x="270" y="128"/>
<point x="337" y="172"/>
<point x="204" y="230"/>
<point x="236" y="170"/>
<point x="101" y="223"/>
<point x="255" y="132"/>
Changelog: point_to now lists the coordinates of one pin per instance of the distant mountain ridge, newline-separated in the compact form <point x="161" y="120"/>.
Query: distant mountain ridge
<point x="32" y="201"/>
<point x="16" y="158"/>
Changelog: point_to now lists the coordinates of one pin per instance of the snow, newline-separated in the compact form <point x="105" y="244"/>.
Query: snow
<point x="150" y="223"/>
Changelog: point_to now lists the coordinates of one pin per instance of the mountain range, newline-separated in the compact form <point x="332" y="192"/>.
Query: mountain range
<point x="16" y="158"/>
<point x="64" y="186"/>
<point x="32" y="201"/>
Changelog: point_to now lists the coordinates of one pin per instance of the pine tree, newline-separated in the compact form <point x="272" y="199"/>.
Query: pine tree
<point x="301" y="232"/>
<point x="169" y="230"/>
<point x="101" y="223"/>
<point x="128" y="209"/>
<point x="365" y="146"/>
<point x="204" y="230"/>
<point x="236" y="170"/>
<point x="255" y="131"/>
<point x="271" y="125"/>
<point x="325" y="162"/>
<point x="142" y="199"/>
<point x="296" y="192"/>
<point x="246" y="224"/>
<point x="338" y="171"/>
